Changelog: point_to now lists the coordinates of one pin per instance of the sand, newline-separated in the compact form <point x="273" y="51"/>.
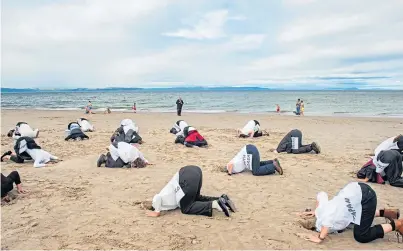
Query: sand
<point x="75" y="205"/>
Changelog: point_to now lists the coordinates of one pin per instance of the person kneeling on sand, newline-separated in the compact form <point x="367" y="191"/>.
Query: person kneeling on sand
<point x="22" y="129"/>
<point x="26" y="149"/>
<point x="292" y="143"/>
<point x="249" y="159"/>
<point x="127" y="132"/>
<point x="85" y="125"/>
<point x="252" y="130"/>
<point x="74" y="132"/>
<point x="393" y="143"/>
<point x="7" y="184"/>
<point x="389" y="165"/>
<point x="355" y="203"/>
<point x="122" y="154"/>
<point x="183" y="191"/>
<point x="191" y="138"/>
<point x="178" y="127"/>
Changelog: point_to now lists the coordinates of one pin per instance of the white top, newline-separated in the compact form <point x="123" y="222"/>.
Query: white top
<point x="384" y="146"/>
<point x="26" y="131"/>
<point x="129" y="124"/>
<point x="181" y="127"/>
<point x="250" y="127"/>
<point x="170" y="196"/>
<point x="127" y="152"/>
<point x="343" y="209"/>
<point x="85" y="125"/>
<point x="41" y="157"/>
<point x="241" y="161"/>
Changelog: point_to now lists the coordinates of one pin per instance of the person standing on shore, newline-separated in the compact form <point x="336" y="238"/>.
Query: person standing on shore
<point x="134" y="107"/>
<point x="298" y="107"/>
<point x="179" y="104"/>
<point x="302" y="108"/>
<point x="277" y="108"/>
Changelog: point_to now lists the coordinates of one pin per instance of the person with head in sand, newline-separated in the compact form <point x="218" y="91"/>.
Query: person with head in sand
<point x="7" y="184"/>
<point x="292" y="143"/>
<point x="183" y="191"/>
<point x="85" y="125"/>
<point x="178" y="127"/>
<point x="26" y="149"/>
<point x="22" y="129"/>
<point x="122" y="154"/>
<point x="249" y="159"/>
<point x="191" y="138"/>
<point x="389" y="165"/>
<point x="393" y="143"/>
<point x="251" y="130"/>
<point x="127" y="132"/>
<point x="74" y="132"/>
<point x="356" y="203"/>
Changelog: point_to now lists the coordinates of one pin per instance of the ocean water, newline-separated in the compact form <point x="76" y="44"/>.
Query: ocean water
<point x="327" y="103"/>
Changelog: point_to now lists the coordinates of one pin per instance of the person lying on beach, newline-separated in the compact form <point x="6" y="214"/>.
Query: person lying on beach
<point x="356" y="203"/>
<point x="85" y="125"/>
<point x="292" y="143"/>
<point x="388" y="165"/>
<point x="7" y="184"/>
<point x="178" y="127"/>
<point x="249" y="159"/>
<point x="26" y="149"/>
<point x="127" y="132"/>
<point x="183" y="191"/>
<point x="251" y="130"/>
<point x="74" y="132"/>
<point x="122" y="154"/>
<point x="191" y="138"/>
<point x="22" y="129"/>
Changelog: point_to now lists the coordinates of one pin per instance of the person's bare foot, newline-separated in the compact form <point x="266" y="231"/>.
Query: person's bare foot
<point x="276" y="163"/>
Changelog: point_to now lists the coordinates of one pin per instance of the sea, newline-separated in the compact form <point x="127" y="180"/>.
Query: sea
<point x="317" y="103"/>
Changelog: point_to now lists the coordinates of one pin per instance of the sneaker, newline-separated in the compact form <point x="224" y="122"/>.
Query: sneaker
<point x="221" y="203"/>
<point x="101" y="160"/>
<point x="391" y="213"/>
<point x="78" y="139"/>
<point x="279" y="169"/>
<point x="315" y="147"/>
<point x="229" y="203"/>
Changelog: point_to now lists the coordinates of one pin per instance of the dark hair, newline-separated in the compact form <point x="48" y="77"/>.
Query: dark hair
<point x="10" y="133"/>
<point x="299" y="99"/>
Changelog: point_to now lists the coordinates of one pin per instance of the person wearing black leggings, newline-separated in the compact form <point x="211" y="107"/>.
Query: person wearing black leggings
<point x="292" y="143"/>
<point x="356" y="203"/>
<point x="7" y="184"/>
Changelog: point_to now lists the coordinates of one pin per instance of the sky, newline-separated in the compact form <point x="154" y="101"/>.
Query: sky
<point x="169" y="43"/>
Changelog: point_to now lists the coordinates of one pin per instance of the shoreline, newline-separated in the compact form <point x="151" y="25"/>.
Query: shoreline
<point x="156" y="111"/>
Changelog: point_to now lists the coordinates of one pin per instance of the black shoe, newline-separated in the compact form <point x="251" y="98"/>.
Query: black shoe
<point x="101" y="160"/>
<point x="221" y="202"/>
<point x="315" y="147"/>
<point x="5" y="154"/>
<point x="229" y="203"/>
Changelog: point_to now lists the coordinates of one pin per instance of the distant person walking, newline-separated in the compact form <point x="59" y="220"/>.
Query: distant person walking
<point x="134" y="107"/>
<point x="277" y="108"/>
<point x="179" y="105"/>
<point x="298" y="107"/>
<point x="302" y="108"/>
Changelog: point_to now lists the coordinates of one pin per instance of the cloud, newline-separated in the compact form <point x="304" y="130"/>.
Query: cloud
<point x="209" y="27"/>
<point x="99" y="43"/>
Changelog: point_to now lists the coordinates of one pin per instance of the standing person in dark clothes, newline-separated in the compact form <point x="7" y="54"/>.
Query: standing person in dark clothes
<point x="183" y="191"/>
<point x="356" y="203"/>
<point x="389" y="165"/>
<point x="179" y="104"/>
<point x="292" y="143"/>
<point x="7" y="185"/>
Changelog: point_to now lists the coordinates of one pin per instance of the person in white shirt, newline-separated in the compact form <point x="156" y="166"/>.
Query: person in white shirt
<point x="85" y="125"/>
<point x="251" y="130"/>
<point x="22" y="129"/>
<point x="183" y="191"/>
<point x="178" y="127"/>
<point x="123" y="154"/>
<point x="354" y="204"/>
<point x="292" y="143"/>
<point x="393" y="143"/>
<point x="127" y="132"/>
<point x="388" y="164"/>
<point x="27" y="149"/>
<point x="249" y="159"/>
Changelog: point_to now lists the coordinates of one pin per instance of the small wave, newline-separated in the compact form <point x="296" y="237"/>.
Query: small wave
<point x="206" y="111"/>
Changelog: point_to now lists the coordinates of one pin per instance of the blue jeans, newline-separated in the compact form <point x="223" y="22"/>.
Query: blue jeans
<point x="260" y="168"/>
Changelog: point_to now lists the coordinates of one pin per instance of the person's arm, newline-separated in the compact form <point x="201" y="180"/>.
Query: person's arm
<point x="230" y="166"/>
<point x="157" y="203"/>
<point x="363" y="180"/>
<point x="324" y="231"/>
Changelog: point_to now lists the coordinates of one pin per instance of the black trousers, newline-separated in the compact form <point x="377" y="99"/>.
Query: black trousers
<point x="76" y="135"/>
<point x="190" y="180"/>
<point x="286" y="143"/>
<point x="365" y="232"/>
<point x="110" y="162"/>
<point x="179" y="110"/>
<point x="16" y="159"/>
<point x="395" y="169"/>
<point x="7" y="182"/>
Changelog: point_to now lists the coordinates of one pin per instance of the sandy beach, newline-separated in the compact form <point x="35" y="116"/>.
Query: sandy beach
<point x="75" y="205"/>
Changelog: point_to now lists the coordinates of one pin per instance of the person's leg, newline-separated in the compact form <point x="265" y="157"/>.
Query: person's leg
<point x="251" y="149"/>
<point x="258" y="134"/>
<point x="364" y="233"/>
<point x="110" y="162"/>
<point x="16" y="159"/>
<point x="190" y="180"/>
<point x="394" y="169"/>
